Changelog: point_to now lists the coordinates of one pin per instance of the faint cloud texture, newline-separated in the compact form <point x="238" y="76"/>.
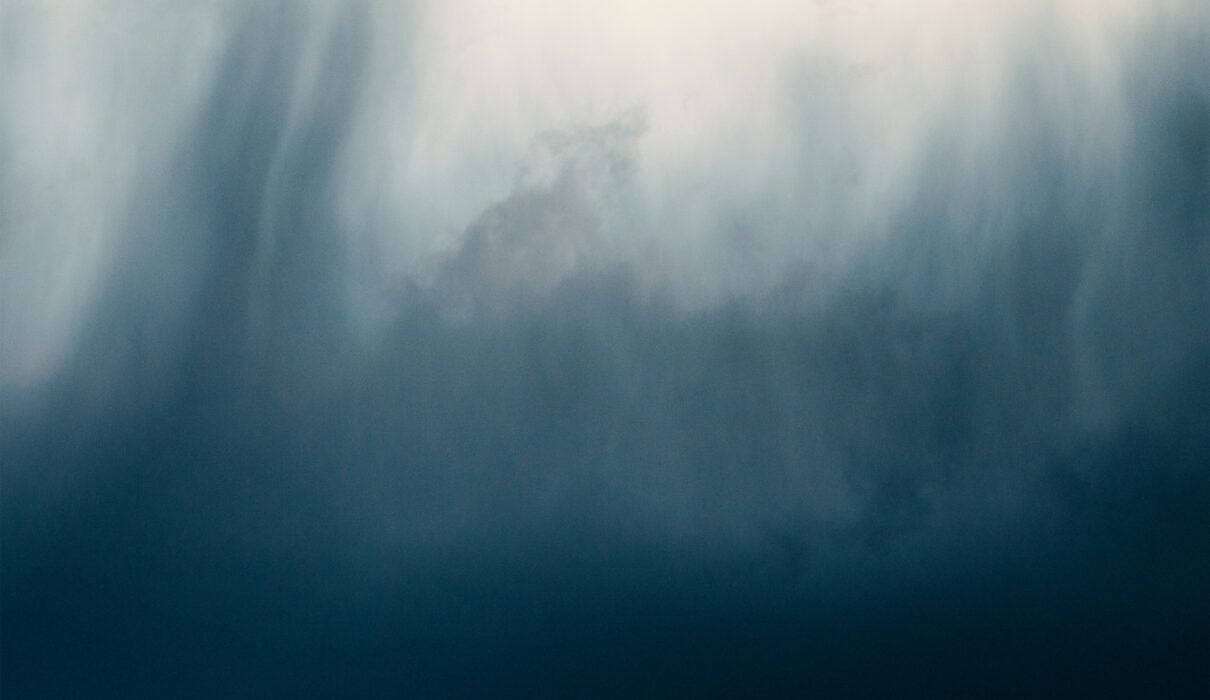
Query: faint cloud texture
<point x="536" y="348"/>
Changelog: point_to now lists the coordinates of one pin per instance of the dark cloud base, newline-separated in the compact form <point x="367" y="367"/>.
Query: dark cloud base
<point x="485" y="517"/>
<point x="227" y="491"/>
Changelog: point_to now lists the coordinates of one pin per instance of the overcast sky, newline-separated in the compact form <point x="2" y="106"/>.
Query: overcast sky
<point x="464" y="348"/>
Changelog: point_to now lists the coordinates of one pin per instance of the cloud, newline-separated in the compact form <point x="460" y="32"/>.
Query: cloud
<point x="422" y="350"/>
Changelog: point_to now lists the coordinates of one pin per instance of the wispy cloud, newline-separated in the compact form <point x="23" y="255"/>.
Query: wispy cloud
<point x="687" y="348"/>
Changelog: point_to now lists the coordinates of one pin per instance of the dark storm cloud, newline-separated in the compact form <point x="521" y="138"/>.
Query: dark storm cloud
<point x="968" y="457"/>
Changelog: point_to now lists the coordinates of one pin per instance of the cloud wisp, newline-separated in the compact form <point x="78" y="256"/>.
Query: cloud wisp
<point x="530" y="349"/>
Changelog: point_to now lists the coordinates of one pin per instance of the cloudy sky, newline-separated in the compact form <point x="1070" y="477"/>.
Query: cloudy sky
<point x="535" y="348"/>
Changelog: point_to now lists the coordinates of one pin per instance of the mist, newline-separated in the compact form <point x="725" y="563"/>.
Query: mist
<point x="456" y="349"/>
